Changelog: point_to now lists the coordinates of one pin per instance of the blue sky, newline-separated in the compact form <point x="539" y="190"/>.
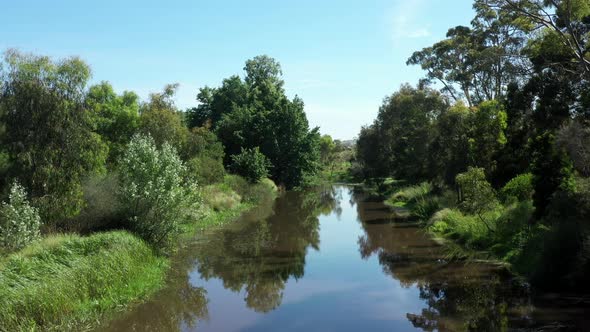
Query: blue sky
<point x="342" y="57"/>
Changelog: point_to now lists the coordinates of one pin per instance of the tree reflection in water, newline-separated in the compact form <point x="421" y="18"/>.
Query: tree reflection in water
<point x="458" y="296"/>
<point x="259" y="256"/>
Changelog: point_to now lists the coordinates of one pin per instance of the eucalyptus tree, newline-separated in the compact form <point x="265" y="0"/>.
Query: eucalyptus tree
<point x="477" y="63"/>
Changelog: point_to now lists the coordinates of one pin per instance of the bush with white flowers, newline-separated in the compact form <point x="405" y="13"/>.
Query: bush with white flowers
<point x="154" y="192"/>
<point x="19" y="221"/>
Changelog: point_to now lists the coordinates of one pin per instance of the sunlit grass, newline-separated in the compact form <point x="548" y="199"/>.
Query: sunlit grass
<point x="68" y="281"/>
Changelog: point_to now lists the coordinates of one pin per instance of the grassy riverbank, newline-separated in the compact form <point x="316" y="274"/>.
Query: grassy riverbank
<point x="500" y="228"/>
<point x="69" y="282"/>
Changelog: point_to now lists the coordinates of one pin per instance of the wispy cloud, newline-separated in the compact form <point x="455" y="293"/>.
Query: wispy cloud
<point x="406" y="19"/>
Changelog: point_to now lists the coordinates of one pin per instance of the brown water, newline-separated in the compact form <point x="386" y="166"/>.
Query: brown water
<point x="332" y="260"/>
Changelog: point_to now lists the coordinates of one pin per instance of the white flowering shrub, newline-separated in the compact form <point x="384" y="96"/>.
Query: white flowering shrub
<point x="19" y="221"/>
<point x="154" y="193"/>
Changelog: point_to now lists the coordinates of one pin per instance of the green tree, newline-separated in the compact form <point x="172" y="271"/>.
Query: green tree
<point x="450" y="149"/>
<point x="369" y="153"/>
<point x="404" y="129"/>
<point x="566" y="24"/>
<point x="215" y="102"/>
<point x="552" y="172"/>
<point x="327" y="149"/>
<point x="49" y="134"/>
<point x="476" y="195"/>
<point x="487" y="137"/>
<point x="477" y="63"/>
<point x="205" y="154"/>
<point x="116" y="117"/>
<point x="256" y="112"/>
<point x="160" y="119"/>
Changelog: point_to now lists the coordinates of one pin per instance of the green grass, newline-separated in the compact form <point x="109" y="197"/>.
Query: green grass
<point x="67" y="282"/>
<point x="226" y="201"/>
<point x="70" y="282"/>
<point x="411" y="193"/>
<point x="417" y="201"/>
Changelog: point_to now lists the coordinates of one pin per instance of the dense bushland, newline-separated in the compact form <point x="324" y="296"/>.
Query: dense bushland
<point x="127" y="180"/>
<point x="496" y="159"/>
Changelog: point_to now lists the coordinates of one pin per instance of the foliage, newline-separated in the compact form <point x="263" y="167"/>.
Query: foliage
<point x="161" y="120"/>
<point x="205" y="154"/>
<point x="467" y="230"/>
<point x="220" y="198"/>
<point x="250" y="193"/>
<point x="115" y="117"/>
<point x="48" y="132"/>
<point x="255" y="112"/>
<point x="476" y="195"/>
<point x="418" y="200"/>
<point x="102" y="208"/>
<point x="401" y="135"/>
<point x="412" y="193"/>
<point x="574" y="138"/>
<point x="251" y="164"/>
<point x="522" y="69"/>
<point x="487" y="138"/>
<point x="154" y="192"/>
<point x="450" y="150"/>
<point x="552" y="171"/>
<point x="206" y="170"/>
<point x="202" y="142"/>
<point x="67" y="282"/>
<point x="19" y="221"/>
<point x="519" y="188"/>
<point x="477" y="63"/>
<point x="327" y="149"/>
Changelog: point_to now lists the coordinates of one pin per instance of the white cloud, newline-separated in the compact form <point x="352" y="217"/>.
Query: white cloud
<point x="406" y="19"/>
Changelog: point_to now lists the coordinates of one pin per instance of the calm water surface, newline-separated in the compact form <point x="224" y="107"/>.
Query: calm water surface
<point x="332" y="260"/>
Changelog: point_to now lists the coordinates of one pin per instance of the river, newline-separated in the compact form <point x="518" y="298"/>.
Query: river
<point x="334" y="260"/>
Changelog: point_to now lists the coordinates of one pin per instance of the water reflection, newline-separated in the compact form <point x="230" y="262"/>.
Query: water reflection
<point x="309" y="262"/>
<point x="260" y="256"/>
<point x="458" y="296"/>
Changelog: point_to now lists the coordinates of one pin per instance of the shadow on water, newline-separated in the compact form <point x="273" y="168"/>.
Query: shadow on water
<point x="294" y="264"/>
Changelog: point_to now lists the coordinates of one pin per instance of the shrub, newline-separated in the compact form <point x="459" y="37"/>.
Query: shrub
<point x="251" y="164"/>
<point x="206" y="170"/>
<point x="439" y="227"/>
<point x="465" y="229"/>
<point x="477" y="195"/>
<point x="519" y="188"/>
<point x="19" y="221"/>
<point x="220" y="198"/>
<point x="425" y="207"/>
<point x="265" y="189"/>
<point x="154" y="192"/>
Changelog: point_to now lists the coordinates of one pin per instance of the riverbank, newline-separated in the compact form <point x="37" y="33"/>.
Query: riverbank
<point x="497" y="226"/>
<point x="70" y="282"/>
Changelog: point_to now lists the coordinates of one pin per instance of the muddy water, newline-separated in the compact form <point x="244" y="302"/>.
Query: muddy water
<point x="332" y="260"/>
